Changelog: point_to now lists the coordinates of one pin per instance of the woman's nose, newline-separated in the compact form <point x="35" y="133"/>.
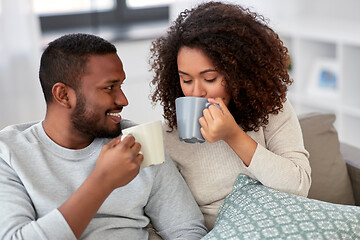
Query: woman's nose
<point x="199" y="90"/>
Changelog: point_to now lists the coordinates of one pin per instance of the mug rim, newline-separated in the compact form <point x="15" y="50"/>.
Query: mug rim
<point x="190" y="97"/>
<point x="144" y="124"/>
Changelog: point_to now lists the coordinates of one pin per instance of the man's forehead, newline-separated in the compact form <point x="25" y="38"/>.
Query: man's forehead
<point x="102" y="62"/>
<point x="106" y="69"/>
<point x="101" y="57"/>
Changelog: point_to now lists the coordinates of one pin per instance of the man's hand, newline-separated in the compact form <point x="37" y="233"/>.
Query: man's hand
<point x="119" y="162"/>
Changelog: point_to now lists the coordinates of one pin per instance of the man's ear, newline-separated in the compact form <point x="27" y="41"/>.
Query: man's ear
<point x="63" y="95"/>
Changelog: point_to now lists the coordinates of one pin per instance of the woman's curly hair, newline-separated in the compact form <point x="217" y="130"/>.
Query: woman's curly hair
<point x="241" y="46"/>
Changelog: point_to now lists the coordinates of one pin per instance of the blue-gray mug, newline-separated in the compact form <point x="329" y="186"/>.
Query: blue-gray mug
<point x="188" y="112"/>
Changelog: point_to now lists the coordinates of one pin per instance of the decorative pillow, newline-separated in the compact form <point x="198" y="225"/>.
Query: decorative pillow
<point x="330" y="179"/>
<point x="253" y="211"/>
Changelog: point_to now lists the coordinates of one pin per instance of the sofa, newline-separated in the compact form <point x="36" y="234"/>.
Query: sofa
<point x="335" y="166"/>
<point x="335" y="176"/>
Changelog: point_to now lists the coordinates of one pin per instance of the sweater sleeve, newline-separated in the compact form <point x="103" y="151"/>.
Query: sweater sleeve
<point x="283" y="163"/>
<point x="172" y="209"/>
<point x="18" y="219"/>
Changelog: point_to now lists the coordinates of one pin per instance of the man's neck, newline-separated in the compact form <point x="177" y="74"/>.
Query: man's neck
<point x="63" y="134"/>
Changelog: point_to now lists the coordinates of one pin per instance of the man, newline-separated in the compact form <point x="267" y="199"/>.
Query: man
<point x="64" y="178"/>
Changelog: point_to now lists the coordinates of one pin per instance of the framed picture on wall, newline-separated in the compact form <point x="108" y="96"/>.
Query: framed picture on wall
<point x="324" y="78"/>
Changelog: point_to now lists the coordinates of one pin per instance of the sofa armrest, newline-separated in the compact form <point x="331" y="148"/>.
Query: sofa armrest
<point x="352" y="158"/>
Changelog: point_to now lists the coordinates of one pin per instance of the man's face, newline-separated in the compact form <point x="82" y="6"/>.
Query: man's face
<point x="99" y="98"/>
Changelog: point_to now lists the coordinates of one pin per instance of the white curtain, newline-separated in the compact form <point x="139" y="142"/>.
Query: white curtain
<point x="21" y="98"/>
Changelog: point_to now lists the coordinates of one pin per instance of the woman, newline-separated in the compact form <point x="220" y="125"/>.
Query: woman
<point x="229" y="55"/>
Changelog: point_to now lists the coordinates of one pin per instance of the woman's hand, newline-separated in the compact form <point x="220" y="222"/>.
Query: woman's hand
<point x="218" y="124"/>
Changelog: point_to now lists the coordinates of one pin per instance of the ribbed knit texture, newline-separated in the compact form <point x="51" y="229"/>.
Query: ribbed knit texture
<point x="211" y="169"/>
<point x="37" y="176"/>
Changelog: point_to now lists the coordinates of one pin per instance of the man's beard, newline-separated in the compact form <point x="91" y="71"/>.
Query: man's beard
<point x="87" y="122"/>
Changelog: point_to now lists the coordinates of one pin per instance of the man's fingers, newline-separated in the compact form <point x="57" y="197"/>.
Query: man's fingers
<point x="139" y="158"/>
<point x="128" y="140"/>
<point x="132" y="145"/>
<point x="136" y="147"/>
<point x="113" y="143"/>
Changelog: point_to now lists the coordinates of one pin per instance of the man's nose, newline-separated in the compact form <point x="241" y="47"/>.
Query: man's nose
<point x="120" y="98"/>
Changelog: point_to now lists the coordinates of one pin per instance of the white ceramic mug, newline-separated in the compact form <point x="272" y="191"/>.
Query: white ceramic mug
<point x="150" y="136"/>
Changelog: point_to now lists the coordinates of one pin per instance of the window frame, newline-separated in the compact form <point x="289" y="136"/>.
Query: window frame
<point x="120" y="15"/>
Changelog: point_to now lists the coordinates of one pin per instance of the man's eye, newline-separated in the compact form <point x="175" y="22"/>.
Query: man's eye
<point x="109" y="87"/>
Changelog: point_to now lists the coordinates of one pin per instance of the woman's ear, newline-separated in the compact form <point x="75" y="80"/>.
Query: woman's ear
<point x="63" y="95"/>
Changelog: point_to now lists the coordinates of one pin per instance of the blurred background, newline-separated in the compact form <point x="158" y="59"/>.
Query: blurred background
<point x="323" y="38"/>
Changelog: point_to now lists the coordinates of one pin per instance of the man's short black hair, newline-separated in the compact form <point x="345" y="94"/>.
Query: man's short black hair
<point x="65" y="58"/>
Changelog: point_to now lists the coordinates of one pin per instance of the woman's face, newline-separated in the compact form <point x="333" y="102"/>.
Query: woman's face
<point x="198" y="76"/>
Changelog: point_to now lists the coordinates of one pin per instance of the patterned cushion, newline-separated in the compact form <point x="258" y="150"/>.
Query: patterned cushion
<point x="253" y="211"/>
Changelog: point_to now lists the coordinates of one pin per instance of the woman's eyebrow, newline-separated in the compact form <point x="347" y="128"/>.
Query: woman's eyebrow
<point x="181" y="72"/>
<point x="202" y="72"/>
<point x="208" y="70"/>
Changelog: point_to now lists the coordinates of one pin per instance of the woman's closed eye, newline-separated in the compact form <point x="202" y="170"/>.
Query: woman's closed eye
<point x="211" y="80"/>
<point x="185" y="79"/>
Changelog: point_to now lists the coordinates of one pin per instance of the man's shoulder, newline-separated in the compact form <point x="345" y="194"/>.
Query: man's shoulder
<point x="126" y="123"/>
<point x="13" y="139"/>
<point x="13" y="130"/>
<point x="163" y="170"/>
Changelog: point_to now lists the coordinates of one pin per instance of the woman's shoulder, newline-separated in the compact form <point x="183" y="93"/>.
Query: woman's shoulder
<point x="286" y="113"/>
<point x="286" y="117"/>
<point x="170" y="135"/>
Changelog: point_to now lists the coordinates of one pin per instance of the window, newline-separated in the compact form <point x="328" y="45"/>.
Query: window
<point x="56" y="7"/>
<point x="147" y="3"/>
<point x="59" y="15"/>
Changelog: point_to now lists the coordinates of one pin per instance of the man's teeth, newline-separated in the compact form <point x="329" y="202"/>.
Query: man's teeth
<point x="114" y="114"/>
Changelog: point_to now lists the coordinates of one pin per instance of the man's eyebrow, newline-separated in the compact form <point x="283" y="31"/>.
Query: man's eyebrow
<point x="114" y="81"/>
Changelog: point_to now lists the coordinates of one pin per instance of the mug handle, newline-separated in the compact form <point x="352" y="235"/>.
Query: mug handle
<point x="207" y="104"/>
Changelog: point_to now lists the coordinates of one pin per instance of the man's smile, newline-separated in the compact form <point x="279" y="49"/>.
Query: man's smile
<point x="115" y="116"/>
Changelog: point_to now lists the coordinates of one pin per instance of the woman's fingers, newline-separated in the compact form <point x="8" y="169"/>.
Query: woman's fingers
<point x="221" y="103"/>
